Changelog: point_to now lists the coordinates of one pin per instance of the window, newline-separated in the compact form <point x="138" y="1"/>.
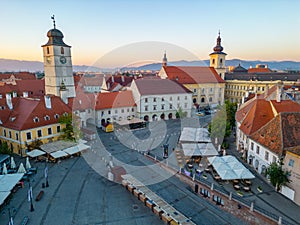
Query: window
<point x="266" y="155"/>
<point x="162" y="106"/>
<point x="39" y="133"/>
<point x="47" y="117"/>
<point x="49" y="130"/>
<point x="9" y="134"/>
<point x="170" y="98"/>
<point x="116" y="111"/>
<point x="185" y="105"/>
<point x="185" y="97"/>
<point x="128" y="110"/>
<point x="178" y="98"/>
<point x="146" y="100"/>
<point x="162" y="99"/>
<point x="154" y="107"/>
<point x="122" y="110"/>
<point x="146" y="108"/>
<point x="252" y="146"/>
<point x="56" y="116"/>
<point x="17" y="136"/>
<point x="202" y="100"/>
<point x="102" y="113"/>
<point x="28" y="135"/>
<point x="132" y="109"/>
<point x="62" y="51"/>
<point x="154" y="99"/>
<point x="203" y="90"/>
<point x="211" y="90"/>
<point x="213" y="61"/>
<point x="210" y="99"/>
<point x="171" y="106"/>
<point x="58" y="129"/>
<point x="221" y="61"/>
<point x="4" y="133"/>
<point x="257" y="149"/>
<point x="48" y="52"/>
<point x="274" y="159"/>
<point x="36" y="119"/>
<point x="291" y="163"/>
<point x="109" y="112"/>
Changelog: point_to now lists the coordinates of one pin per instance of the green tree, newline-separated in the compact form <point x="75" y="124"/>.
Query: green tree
<point x="71" y="132"/>
<point x="231" y="109"/>
<point x="4" y="149"/>
<point x="35" y="144"/>
<point x="180" y="113"/>
<point x="278" y="176"/>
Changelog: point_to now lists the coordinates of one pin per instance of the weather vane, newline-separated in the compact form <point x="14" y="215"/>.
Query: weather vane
<point x="52" y="17"/>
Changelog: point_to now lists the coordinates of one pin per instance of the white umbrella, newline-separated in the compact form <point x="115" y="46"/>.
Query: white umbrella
<point x="28" y="166"/>
<point x="4" y="171"/>
<point x="21" y="169"/>
<point x="12" y="163"/>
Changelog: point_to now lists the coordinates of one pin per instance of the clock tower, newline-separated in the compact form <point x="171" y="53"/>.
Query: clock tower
<point x="58" y="69"/>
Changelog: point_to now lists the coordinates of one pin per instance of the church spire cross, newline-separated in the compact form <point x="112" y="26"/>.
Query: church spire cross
<point x="52" y="17"/>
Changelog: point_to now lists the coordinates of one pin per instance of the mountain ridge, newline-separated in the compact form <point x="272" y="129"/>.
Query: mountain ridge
<point x="12" y="65"/>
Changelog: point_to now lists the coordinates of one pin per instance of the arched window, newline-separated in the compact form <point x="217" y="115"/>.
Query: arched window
<point x="62" y="51"/>
<point x="202" y="100"/>
<point x="48" y="52"/>
<point x="221" y="61"/>
<point x="213" y="61"/>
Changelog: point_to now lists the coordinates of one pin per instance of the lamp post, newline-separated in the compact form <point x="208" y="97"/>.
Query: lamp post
<point x="46" y="174"/>
<point x="11" y="213"/>
<point x="30" y="197"/>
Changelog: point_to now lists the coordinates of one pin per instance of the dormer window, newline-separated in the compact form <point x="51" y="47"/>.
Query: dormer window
<point x="2" y="107"/>
<point x="12" y="119"/>
<point x="56" y="116"/>
<point x="47" y="117"/>
<point x="65" y="114"/>
<point x="62" y="51"/>
<point x="36" y="119"/>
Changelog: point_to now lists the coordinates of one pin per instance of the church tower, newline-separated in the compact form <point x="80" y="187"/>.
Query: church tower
<point x="58" y="69"/>
<point x="217" y="58"/>
<point x="164" y="60"/>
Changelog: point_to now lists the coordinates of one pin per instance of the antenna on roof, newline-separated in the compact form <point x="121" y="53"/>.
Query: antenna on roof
<point x="52" y="17"/>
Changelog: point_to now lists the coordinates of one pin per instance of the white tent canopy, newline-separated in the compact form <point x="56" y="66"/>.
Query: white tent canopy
<point x="229" y="168"/>
<point x="191" y="134"/>
<point x="35" y="153"/>
<point x="75" y="149"/>
<point x="8" y="181"/>
<point x="4" y="170"/>
<point x="199" y="149"/>
<point x="12" y="163"/>
<point x="58" y="154"/>
<point x="3" y="196"/>
<point x="21" y="169"/>
<point x="28" y="165"/>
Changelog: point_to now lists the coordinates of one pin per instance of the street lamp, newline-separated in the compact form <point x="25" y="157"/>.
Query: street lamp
<point x="11" y="213"/>
<point x="30" y="197"/>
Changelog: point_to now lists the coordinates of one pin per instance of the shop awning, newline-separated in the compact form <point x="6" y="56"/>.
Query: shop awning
<point x="35" y="153"/>
<point x="58" y="154"/>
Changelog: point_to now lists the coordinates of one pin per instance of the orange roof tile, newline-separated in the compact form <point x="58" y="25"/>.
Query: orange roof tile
<point x="111" y="100"/>
<point x="286" y="106"/>
<point x="82" y="101"/>
<point x="259" y="70"/>
<point x="259" y="114"/>
<point x="193" y="74"/>
<point x="280" y="134"/>
<point x="244" y="109"/>
<point x="26" y="109"/>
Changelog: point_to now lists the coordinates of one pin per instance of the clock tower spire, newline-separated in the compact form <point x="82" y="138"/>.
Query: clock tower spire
<point x="58" y="65"/>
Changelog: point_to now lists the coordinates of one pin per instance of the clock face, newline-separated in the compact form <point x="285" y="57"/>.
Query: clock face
<point x="63" y="59"/>
<point x="48" y="60"/>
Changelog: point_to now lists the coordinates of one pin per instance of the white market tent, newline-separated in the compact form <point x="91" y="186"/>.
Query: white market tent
<point x="75" y="149"/>
<point x="21" y="169"/>
<point x="199" y="149"/>
<point x="7" y="183"/>
<point x="229" y="168"/>
<point x="35" y="153"/>
<point x="58" y="154"/>
<point x="191" y="134"/>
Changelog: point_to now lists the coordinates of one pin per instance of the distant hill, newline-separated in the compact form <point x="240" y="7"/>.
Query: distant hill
<point x="34" y="66"/>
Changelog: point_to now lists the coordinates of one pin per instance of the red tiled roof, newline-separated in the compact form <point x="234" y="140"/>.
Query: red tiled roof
<point x="193" y="74"/>
<point x="281" y="133"/>
<point x="285" y="106"/>
<point x="20" y="75"/>
<point x="259" y="114"/>
<point x="26" y="109"/>
<point x="108" y="100"/>
<point x="82" y="101"/>
<point x="242" y="112"/>
<point x="259" y="70"/>
<point x="118" y="79"/>
<point x="157" y="86"/>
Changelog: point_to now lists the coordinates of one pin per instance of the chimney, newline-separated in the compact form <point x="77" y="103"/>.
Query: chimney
<point x="15" y="94"/>
<point x="48" y="101"/>
<point x="123" y="79"/>
<point x="8" y="101"/>
<point x="25" y="94"/>
<point x="278" y="92"/>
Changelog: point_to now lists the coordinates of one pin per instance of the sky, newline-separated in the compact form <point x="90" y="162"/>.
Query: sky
<point x="250" y="29"/>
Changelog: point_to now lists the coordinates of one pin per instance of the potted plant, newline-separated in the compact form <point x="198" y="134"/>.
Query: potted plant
<point x="259" y="188"/>
<point x="240" y="193"/>
<point x="204" y="176"/>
